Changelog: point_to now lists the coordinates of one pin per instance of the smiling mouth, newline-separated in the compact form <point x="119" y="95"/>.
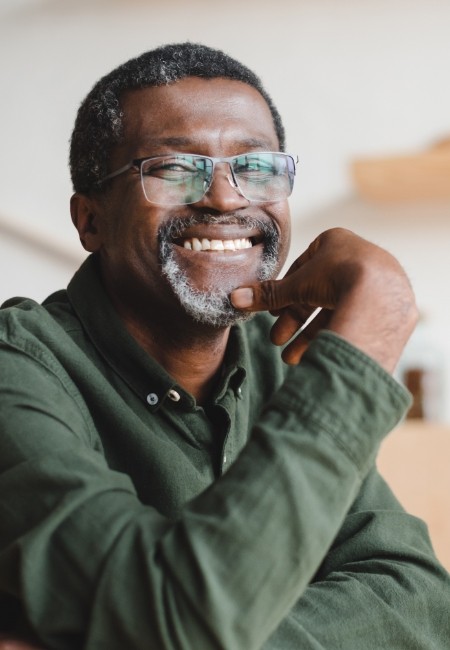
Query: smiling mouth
<point x="232" y="236"/>
<point x="236" y="244"/>
<point x="217" y="245"/>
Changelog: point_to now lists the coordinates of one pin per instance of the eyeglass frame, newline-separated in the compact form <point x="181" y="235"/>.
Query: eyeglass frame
<point x="137" y="163"/>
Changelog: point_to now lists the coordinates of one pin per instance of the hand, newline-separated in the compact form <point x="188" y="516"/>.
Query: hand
<point x="363" y="291"/>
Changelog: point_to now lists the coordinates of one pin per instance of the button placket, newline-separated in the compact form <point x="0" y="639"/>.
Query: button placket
<point x="227" y="443"/>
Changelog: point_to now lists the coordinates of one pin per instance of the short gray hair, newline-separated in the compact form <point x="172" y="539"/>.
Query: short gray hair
<point x="98" y="125"/>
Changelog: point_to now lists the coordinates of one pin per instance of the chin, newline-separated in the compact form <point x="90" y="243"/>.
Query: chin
<point x="202" y="280"/>
<point x="207" y="306"/>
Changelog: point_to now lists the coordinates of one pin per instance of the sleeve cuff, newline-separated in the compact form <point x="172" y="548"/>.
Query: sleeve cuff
<point x="339" y="389"/>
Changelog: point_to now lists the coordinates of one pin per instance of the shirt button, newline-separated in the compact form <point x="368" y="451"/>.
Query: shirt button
<point x="152" y="399"/>
<point x="173" y="395"/>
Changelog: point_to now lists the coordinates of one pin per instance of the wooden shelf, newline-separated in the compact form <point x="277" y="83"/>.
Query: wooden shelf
<point x="415" y="177"/>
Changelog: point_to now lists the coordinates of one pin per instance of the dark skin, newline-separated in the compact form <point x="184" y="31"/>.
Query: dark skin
<point x="363" y="291"/>
<point x="365" y="294"/>
<point x="212" y="117"/>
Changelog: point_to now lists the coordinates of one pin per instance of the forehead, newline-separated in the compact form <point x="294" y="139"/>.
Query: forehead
<point x="218" y="115"/>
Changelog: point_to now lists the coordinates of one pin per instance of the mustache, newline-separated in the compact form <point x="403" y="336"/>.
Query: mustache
<point x="175" y="227"/>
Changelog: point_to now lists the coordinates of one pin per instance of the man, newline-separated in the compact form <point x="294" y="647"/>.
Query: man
<point x="166" y="480"/>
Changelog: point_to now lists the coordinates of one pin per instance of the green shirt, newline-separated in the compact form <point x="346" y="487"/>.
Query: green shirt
<point x="132" y="518"/>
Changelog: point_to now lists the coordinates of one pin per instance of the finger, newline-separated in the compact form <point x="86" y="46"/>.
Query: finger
<point x="293" y="352"/>
<point x="271" y="295"/>
<point x="289" y="322"/>
<point x="319" y="320"/>
<point x="305" y="282"/>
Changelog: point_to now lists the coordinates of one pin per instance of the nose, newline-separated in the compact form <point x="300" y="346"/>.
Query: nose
<point x="223" y="195"/>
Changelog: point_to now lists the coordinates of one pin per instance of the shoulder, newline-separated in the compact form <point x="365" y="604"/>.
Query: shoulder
<point x="36" y="357"/>
<point x="23" y="321"/>
<point x="34" y="331"/>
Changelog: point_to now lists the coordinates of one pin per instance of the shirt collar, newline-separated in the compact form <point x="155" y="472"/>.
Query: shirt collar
<point x="124" y="355"/>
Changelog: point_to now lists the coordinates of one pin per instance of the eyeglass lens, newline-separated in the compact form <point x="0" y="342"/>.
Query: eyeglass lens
<point x="185" y="178"/>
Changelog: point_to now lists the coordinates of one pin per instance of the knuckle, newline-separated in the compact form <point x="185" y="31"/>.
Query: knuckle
<point x="269" y="294"/>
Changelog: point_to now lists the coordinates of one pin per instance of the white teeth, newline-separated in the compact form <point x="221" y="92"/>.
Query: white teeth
<point x="217" y="244"/>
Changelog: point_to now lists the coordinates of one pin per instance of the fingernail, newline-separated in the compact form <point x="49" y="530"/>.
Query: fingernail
<point x="242" y="298"/>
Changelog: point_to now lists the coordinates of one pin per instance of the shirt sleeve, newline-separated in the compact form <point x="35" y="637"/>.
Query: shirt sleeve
<point x="379" y="586"/>
<point x="87" y="566"/>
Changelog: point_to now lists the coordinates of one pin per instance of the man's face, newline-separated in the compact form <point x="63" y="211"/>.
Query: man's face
<point x="143" y="255"/>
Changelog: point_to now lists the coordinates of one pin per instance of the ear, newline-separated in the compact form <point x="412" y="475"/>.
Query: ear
<point x="84" y="217"/>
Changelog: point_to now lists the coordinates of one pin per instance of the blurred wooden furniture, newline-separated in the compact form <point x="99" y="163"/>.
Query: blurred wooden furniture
<point x="415" y="177"/>
<point x="415" y="461"/>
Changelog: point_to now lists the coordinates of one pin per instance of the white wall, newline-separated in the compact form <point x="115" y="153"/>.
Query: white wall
<point x="351" y="78"/>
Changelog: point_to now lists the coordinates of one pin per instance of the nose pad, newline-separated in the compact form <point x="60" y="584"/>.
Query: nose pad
<point x="220" y="198"/>
<point x="233" y="183"/>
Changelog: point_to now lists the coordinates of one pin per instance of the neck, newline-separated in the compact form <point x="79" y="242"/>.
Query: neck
<point x="189" y="352"/>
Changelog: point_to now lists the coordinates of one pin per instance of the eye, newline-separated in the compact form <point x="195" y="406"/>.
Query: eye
<point x="253" y="164"/>
<point x="256" y="169"/>
<point x="170" y="168"/>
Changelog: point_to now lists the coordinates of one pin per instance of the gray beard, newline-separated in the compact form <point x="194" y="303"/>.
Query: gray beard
<point x="213" y="307"/>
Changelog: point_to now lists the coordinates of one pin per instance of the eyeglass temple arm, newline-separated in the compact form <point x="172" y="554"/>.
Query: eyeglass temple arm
<point x="119" y="171"/>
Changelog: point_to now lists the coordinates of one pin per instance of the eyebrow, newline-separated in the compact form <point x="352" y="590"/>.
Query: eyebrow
<point x="182" y="141"/>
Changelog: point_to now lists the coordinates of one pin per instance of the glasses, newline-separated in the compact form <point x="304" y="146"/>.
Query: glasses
<point x="181" y="179"/>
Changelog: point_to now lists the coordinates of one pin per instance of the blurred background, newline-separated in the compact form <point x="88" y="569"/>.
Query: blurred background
<point x="364" y="89"/>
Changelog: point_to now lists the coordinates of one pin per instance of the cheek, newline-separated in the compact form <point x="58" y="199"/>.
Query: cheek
<point x="133" y="226"/>
<point x="280" y="214"/>
<point x="286" y="243"/>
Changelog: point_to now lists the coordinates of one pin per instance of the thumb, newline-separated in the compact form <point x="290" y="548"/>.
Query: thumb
<point x="270" y="295"/>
